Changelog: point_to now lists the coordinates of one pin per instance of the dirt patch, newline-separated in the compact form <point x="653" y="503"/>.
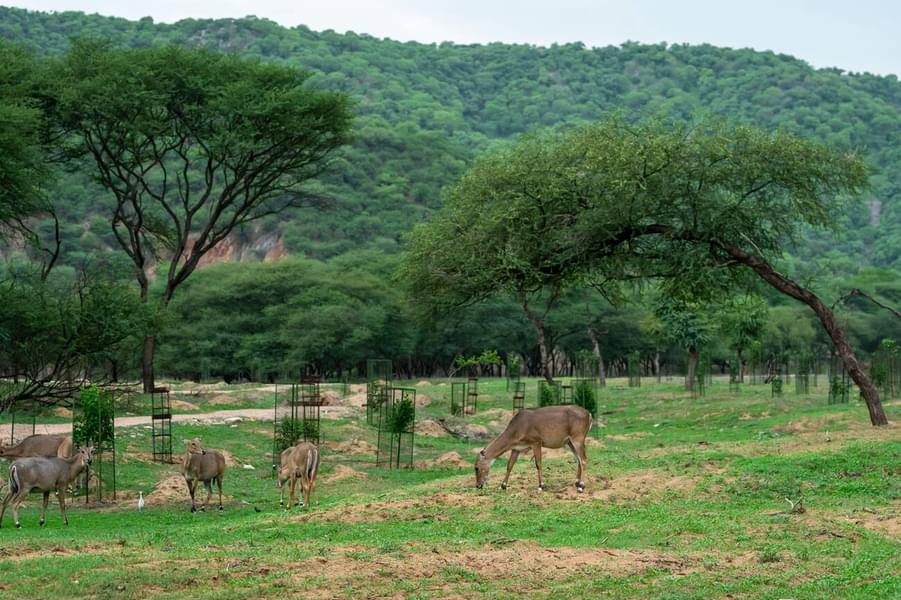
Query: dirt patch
<point x="358" y="388"/>
<point x="625" y="437"/>
<point x="62" y="411"/>
<point x="526" y="566"/>
<point x="353" y="446"/>
<point x="498" y="414"/>
<point x="170" y="489"/>
<point x="433" y="507"/>
<point x="343" y="472"/>
<point x="447" y="460"/>
<point x="886" y="522"/>
<point x="430" y="428"/>
<point x="423" y="383"/>
<point x="422" y="400"/>
<point x="330" y="398"/>
<point x="173" y="489"/>
<point x="357" y="399"/>
<point x="183" y="405"/>
<point x="223" y="400"/>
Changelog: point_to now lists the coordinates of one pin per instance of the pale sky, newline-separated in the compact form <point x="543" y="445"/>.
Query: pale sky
<point x="858" y="35"/>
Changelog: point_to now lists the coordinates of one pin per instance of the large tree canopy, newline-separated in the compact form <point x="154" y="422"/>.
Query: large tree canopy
<point x="699" y="206"/>
<point x="191" y="145"/>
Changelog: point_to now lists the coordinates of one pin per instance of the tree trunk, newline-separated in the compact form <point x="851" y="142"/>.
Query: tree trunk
<point x="147" y="363"/>
<point x="842" y="347"/>
<point x="741" y="366"/>
<point x="692" y="363"/>
<point x="657" y="364"/>
<point x="596" y="347"/>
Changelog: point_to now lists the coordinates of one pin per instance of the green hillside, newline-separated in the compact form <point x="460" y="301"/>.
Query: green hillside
<point x="426" y="110"/>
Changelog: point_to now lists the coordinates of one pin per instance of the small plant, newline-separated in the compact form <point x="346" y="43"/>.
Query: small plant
<point x="584" y="396"/>
<point x="548" y="394"/>
<point x="290" y="431"/>
<point x="93" y="422"/>
<point x="400" y="419"/>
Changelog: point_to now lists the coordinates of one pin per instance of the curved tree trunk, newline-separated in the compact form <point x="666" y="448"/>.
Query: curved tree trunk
<point x="842" y="347"/>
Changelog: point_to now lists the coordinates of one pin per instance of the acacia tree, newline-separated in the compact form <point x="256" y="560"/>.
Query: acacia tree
<point x="191" y="145"/>
<point x="500" y="231"/>
<point x="703" y="208"/>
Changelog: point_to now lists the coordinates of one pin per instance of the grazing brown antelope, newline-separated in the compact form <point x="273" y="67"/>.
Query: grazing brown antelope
<point x="203" y="465"/>
<point x="537" y="428"/>
<point x="45" y="475"/>
<point x="298" y="462"/>
<point x="39" y="445"/>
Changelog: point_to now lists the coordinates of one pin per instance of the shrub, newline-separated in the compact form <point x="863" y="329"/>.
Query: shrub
<point x="584" y="396"/>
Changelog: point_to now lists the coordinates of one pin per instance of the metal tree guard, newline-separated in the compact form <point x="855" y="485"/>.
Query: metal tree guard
<point x="94" y="424"/>
<point x="161" y="425"/>
<point x="472" y="396"/>
<point x="458" y="398"/>
<point x="519" y="395"/>
<point x="392" y="433"/>
<point x="379" y="376"/>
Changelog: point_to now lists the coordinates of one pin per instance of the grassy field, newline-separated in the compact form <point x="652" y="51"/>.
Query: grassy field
<point x="686" y="498"/>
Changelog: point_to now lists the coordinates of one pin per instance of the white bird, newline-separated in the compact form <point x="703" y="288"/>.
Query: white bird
<point x="140" y="500"/>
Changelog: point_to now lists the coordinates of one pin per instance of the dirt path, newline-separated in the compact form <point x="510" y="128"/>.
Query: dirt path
<point x="252" y="414"/>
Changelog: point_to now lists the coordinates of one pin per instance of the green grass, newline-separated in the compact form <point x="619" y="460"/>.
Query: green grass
<point x="686" y="499"/>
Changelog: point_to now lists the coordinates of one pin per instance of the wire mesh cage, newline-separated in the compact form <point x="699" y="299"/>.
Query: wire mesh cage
<point x="94" y="424"/>
<point x="634" y="369"/>
<point x="379" y="377"/>
<point x="396" y="427"/>
<point x="161" y="425"/>
<point x="519" y="395"/>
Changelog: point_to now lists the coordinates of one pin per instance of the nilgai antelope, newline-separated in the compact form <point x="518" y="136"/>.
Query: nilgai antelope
<point x="45" y="475"/>
<point x="298" y="462"/>
<point x="202" y="465"/>
<point x="39" y="445"/>
<point x="537" y="428"/>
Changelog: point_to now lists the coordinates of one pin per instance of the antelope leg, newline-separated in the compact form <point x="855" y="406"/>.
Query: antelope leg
<point x="219" y="484"/>
<point x="44" y="507"/>
<point x="578" y="452"/>
<point x="61" y="496"/>
<point x="536" y="450"/>
<point x="514" y="454"/>
<point x="6" y="500"/>
<point x="209" y="492"/>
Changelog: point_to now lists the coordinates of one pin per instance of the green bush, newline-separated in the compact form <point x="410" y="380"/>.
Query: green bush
<point x="400" y="419"/>
<point x="93" y="422"/>
<point x="584" y="396"/>
<point x="548" y="394"/>
<point x="288" y="433"/>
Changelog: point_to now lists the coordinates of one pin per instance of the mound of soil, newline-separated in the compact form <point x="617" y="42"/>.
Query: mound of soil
<point x="171" y="489"/>
<point x="423" y="383"/>
<point x="357" y="399"/>
<point x="223" y="400"/>
<point x="354" y="446"/>
<point x="422" y="400"/>
<point x="62" y="411"/>
<point x="430" y="428"/>
<point x="183" y="405"/>
<point x="330" y="398"/>
<point x="343" y="472"/>
<point x="446" y="460"/>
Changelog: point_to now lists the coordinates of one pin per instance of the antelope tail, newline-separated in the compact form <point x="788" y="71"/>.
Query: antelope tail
<point x="312" y="464"/>
<point x="14" y="483"/>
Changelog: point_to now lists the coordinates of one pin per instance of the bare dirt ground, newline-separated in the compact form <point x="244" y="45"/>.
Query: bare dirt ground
<point x="219" y="416"/>
<point x="522" y="566"/>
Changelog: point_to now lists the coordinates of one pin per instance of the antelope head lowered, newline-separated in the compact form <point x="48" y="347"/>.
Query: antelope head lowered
<point x="537" y="428"/>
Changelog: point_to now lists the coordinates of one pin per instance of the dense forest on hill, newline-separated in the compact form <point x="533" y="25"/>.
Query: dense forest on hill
<point x="425" y="110"/>
<point x="423" y="113"/>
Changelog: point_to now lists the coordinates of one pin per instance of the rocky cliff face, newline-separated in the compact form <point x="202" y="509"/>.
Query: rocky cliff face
<point x="267" y="247"/>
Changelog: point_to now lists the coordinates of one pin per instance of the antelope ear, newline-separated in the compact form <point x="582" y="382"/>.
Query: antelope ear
<point x="482" y="453"/>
